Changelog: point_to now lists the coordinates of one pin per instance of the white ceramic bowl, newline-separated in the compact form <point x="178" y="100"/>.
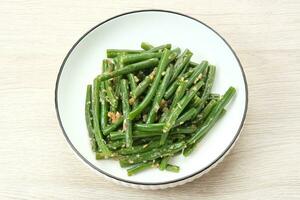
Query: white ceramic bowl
<point x="128" y="30"/>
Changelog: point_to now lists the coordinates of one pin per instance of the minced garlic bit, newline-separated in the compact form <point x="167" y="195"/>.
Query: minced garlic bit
<point x="114" y="116"/>
<point x="136" y="79"/>
<point x="198" y="78"/>
<point x="151" y="76"/>
<point x="131" y="101"/>
<point x="163" y="103"/>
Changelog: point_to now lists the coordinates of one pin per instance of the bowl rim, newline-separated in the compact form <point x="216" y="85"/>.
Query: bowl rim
<point x="155" y="183"/>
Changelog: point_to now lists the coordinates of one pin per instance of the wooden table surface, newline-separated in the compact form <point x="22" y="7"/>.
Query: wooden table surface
<point x="35" y="160"/>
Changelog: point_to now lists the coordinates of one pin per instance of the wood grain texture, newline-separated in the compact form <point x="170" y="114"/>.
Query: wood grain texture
<point x="35" y="160"/>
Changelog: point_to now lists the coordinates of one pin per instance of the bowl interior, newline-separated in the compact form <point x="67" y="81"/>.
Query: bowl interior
<point x="156" y="27"/>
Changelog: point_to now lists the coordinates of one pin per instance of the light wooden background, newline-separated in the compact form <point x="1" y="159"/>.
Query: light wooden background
<point x="35" y="160"/>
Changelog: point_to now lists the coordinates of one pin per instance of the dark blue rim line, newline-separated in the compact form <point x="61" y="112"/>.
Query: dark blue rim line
<point x="134" y="182"/>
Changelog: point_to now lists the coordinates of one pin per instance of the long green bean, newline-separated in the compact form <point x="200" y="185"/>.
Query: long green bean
<point x="129" y="69"/>
<point x="133" y="58"/>
<point x="142" y="86"/>
<point x="161" y="67"/>
<point x="89" y="117"/>
<point x="163" y="151"/>
<point x="158" y="97"/>
<point x="133" y="85"/>
<point x="146" y="46"/>
<point x="173" y="168"/>
<point x="117" y="79"/>
<point x="103" y="106"/>
<point x="160" y="48"/>
<point x="106" y="93"/>
<point x="197" y="74"/>
<point x="171" y="120"/>
<point x="127" y="124"/>
<point x="208" y="85"/>
<point x="139" y="167"/>
<point x="110" y="96"/>
<point x="149" y="127"/>
<point x="213" y="116"/>
<point x="88" y="111"/>
<point x="96" y="115"/>
<point x="111" y="53"/>
<point x="119" y="135"/>
<point x="181" y="62"/>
